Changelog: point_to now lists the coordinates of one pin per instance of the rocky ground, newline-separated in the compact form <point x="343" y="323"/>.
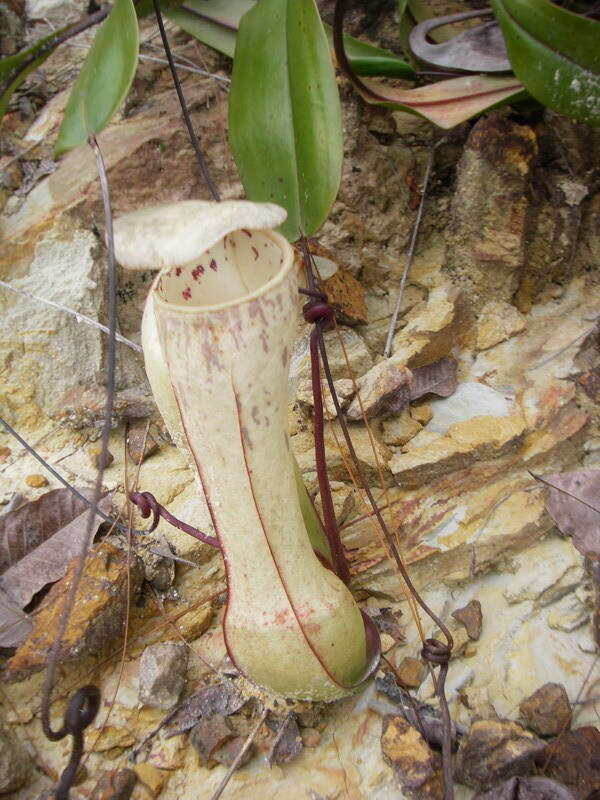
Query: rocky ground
<point x="505" y="282"/>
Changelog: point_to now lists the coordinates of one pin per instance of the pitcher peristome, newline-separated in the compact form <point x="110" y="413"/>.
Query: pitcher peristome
<point x="217" y="334"/>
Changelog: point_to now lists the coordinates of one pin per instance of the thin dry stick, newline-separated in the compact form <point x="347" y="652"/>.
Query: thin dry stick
<point x="411" y="250"/>
<point x="240" y="755"/>
<point x="559" y="352"/>
<point x="184" y="110"/>
<point x="48" y="685"/>
<point x="79" y="317"/>
<point x="127" y="588"/>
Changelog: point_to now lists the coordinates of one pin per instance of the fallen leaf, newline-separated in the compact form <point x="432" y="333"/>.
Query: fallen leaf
<point x="387" y="622"/>
<point x="209" y="735"/>
<point x="437" y="378"/>
<point x="38" y="541"/>
<point x="572" y="502"/>
<point x="450" y="102"/>
<point x="15" y="624"/>
<point x="222" y="698"/>
<point x="287" y="745"/>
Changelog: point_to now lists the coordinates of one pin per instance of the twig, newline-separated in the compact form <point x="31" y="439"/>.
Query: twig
<point x="240" y="755"/>
<point x="184" y="110"/>
<point x="48" y="685"/>
<point x="185" y="68"/>
<point x="79" y="317"/>
<point x="411" y="250"/>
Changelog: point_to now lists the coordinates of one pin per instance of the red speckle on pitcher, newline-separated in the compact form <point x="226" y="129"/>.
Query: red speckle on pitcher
<point x="213" y="265"/>
<point x="197" y="272"/>
<point x="187" y="293"/>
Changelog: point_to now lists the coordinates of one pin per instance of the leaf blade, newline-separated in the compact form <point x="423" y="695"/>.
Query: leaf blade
<point x="104" y="79"/>
<point x="285" y="114"/>
<point x="216" y="22"/>
<point x="554" y="78"/>
<point x="448" y="103"/>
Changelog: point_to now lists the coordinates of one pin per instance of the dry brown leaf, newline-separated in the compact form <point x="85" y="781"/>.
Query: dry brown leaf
<point x="15" y="624"/>
<point x="573" y="503"/>
<point x="437" y="378"/>
<point x="223" y="699"/>
<point x="38" y="541"/>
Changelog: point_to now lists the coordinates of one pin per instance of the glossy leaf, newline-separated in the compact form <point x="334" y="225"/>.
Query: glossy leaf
<point x="104" y="79"/>
<point x="555" y="54"/>
<point x="447" y="103"/>
<point x="285" y="125"/>
<point x="215" y="23"/>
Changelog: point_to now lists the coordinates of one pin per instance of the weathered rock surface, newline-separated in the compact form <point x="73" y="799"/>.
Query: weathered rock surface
<point x="494" y="750"/>
<point x="15" y="762"/>
<point x="547" y="711"/>
<point x="97" y="617"/>
<point x="163" y="671"/>
<point x="471" y="617"/>
<point x="416" y="767"/>
<point x="573" y="760"/>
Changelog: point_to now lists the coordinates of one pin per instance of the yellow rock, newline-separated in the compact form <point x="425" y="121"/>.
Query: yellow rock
<point x="498" y="322"/>
<point x="151" y="777"/>
<point x="398" y="430"/>
<point x="421" y="413"/>
<point x="36" y="481"/>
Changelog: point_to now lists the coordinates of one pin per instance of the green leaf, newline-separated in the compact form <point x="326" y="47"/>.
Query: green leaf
<point x="285" y="124"/>
<point x="104" y="79"/>
<point x="215" y="23"/>
<point x="15" y="69"/>
<point x="447" y="103"/>
<point x="555" y="54"/>
<point x="312" y="523"/>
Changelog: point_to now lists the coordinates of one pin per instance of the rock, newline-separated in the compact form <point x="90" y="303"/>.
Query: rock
<point x="497" y="322"/>
<point x="410" y="672"/>
<point x="159" y="570"/>
<point x="163" y="671"/>
<point x="573" y="760"/>
<point x="228" y="752"/>
<point x="586" y="643"/>
<point x="428" y="335"/>
<point x="400" y="429"/>
<point x="535" y="788"/>
<point x="384" y="389"/>
<point x="568" y="614"/>
<point x="347" y="296"/>
<point x="152" y="777"/>
<point x="303" y="448"/>
<point x="416" y="767"/>
<point x="36" y="481"/>
<point x="421" y="413"/>
<point x="15" y="762"/>
<point x="471" y="617"/>
<point x="97" y="618"/>
<point x="82" y="408"/>
<point x="489" y="214"/>
<point x="51" y="348"/>
<point x="341" y="343"/>
<point x="114" y="784"/>
<point x="140" y="445"/>
<point x="466" y="442"/>
<point x="344" y="388"/>
<point x="557" y="575"/>
<point x="494" y="750"/>
<point x="94" y="451"/>
<point x="547" y="711"/>
<point x="344" y="500"/>
<point x="310" y="737"/>
<point x="380" y="306"/>
<point x="471" y="399"/>
<point x="4" y="454"/>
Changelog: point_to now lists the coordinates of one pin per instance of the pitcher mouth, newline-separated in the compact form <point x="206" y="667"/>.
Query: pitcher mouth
<point x="239" y="268"/>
